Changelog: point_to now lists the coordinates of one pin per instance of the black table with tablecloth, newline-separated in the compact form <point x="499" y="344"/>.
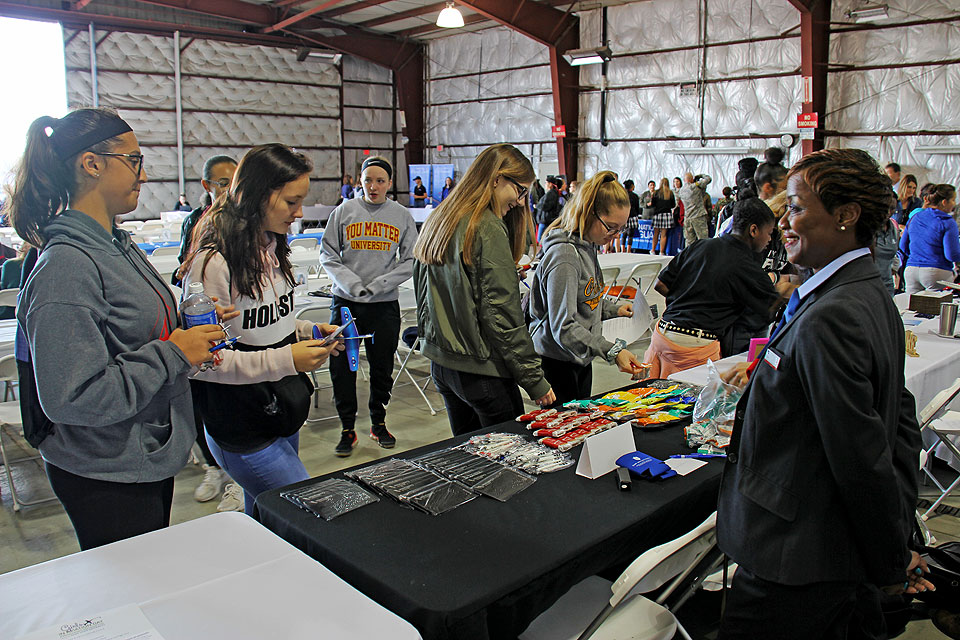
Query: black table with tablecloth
<point x="486" y="569"/>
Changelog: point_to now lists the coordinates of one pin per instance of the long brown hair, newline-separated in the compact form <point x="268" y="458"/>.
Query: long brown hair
<point x="902" y="187"/>
<point x="664" y="192"/>
<point x="472" y="197"/>
<point x="46" y="181"/>
<point x="599" y="195"/>
<point x="233" y="226"/>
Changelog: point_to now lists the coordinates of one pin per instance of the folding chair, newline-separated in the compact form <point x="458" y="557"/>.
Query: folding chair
<point x="936" y="418"/>
<point x="10" y="417"/>
<point x="306" y="243"/>
<point x="402" y="346"/>
<point x="595" y="608"/>
<point x="8" y="297"/>
<point x="165" y="251"/>
<point x="609" y="275"/>
<point x="643" y="271"/>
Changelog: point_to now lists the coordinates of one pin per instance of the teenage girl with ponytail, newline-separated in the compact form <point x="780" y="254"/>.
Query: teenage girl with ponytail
<point x="567" y="304"/>
<point x="100" y="326"/>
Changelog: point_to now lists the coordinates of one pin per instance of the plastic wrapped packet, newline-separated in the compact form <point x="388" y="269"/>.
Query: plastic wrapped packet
<point x="331" y="498"/>
<point x="518" y="452"/>
<point x="506" y="484"/>
<point x="460" y="466"/>
<point x="413" y="485"/>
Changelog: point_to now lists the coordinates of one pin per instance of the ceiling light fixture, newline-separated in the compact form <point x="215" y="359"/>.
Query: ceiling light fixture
<point x="450" y="17"/>
<point x="869" y="13"/>
<point x="577" y="57"/>
<point x="321" y="56"/>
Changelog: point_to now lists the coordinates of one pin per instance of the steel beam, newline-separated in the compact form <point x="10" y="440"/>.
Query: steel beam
<point x="560" y="32"/>
<point x="403" y="15"/>
<point x="814" y="58"/>
<point x="300" y="16"/>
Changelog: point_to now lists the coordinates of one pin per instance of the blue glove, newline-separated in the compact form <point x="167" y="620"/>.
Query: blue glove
<point x="645" y="466"/>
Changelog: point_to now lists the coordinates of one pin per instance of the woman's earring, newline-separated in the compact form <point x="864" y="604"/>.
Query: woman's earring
<point x="843" y="228"/>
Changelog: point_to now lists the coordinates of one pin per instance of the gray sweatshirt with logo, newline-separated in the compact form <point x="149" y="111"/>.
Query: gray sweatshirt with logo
<point x="367" y="249"/>
<point x="567" y="302"/>
<point x="97" y="316"/>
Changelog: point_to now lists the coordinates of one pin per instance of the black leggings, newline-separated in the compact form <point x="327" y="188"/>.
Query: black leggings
<point x="103" y="512"/>
<point x="475" y="401"/>
<point x="569" y="380"/>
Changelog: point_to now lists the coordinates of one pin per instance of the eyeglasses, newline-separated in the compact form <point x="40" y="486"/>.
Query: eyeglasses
<point x="136" y="157"/>
<point x="521" y="190"/>
<point x="223" y="183"/>
<point x="606" y="226"/>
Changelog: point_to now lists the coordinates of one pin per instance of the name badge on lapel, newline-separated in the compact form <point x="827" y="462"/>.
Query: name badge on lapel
<point x="772" y="359"/>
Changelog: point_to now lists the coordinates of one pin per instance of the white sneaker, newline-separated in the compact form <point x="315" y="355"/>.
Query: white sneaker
<point x="232" y="499"/>
<point x="211" y="485"/>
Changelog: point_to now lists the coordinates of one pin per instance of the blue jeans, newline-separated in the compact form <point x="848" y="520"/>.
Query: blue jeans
<point x="272" y="467"/>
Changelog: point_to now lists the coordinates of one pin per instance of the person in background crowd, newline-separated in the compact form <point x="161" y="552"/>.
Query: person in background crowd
<point x="798" y="477"/>
<point x="692" y="195"/>
<point x="98" y="331"/>
<point x="893" y="172"/>
<point x="664" y="203"/>
<point x="746" y="168"/>
<point x="631" y="230"/>
<point x="367" y="250"/>
<point x="357" y="187"/>
<point x="567" y="305"/>
<point x="346" y="190"/>
<point x="217" y="173"/>
<point x="931" y="242"/>
<point x="647" y="200"/>
<point x="886" y="253"/>
<point x="447" y="188"/>
<point x="10" y="273"/>
<point x="182" y="204"/>
<point x="419" y="193"/>
<point x="907" y="199"/>
<point x="708" y="287"/>
<point x="468" y="295"/>
<point x="256" y="398"/>
<point x="770" y="178"/>
<point x="722" y="203"/>
<point x="548" y="208"/>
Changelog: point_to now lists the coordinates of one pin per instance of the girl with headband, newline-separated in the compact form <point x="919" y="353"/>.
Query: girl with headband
<point x="367" y="251"/>
<point x="100" y="326"/>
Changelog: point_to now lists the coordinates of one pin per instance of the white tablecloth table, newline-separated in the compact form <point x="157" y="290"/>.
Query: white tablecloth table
<point x="221" y="577"/>
<point x="627" y="261"/>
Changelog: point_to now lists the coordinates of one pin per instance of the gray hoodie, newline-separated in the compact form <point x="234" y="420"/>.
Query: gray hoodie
<point x="97" y="317"/>
<point x="567" y="302"/>
<point x="367" y="249"/>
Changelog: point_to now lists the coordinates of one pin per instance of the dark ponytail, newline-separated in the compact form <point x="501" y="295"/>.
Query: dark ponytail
<point x="46" y="177"/>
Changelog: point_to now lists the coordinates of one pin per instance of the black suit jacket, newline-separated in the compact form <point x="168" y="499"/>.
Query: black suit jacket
<point x="821" y="477"/>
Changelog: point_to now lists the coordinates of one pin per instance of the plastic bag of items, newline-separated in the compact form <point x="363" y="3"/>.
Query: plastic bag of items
<point x="713" y="414"/>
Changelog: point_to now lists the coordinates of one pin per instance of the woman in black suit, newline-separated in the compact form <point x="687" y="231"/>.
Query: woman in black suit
<point x="820" y="484"/>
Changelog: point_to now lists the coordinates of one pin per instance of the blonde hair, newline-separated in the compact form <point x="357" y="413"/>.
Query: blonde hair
<point x="472" y="197"/>
<point x="664" y="193"/>
<point x="599" y="195"/>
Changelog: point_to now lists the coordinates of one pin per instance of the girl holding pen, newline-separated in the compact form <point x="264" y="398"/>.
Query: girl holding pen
<point x="255" y="400"/>
<point x="567" y="304"/>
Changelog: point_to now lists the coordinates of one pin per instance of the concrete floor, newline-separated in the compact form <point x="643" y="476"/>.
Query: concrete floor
<point x="43" y="532"/>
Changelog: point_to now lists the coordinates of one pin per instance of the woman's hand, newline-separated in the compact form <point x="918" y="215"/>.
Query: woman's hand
<point x="327" y="329"/>
<point x="625" y="310"/>
<point x="195" y="342"/>
<point x="547" y="399"/>
<point x="917" y="568"/>
<point x="309" y="355"/>
<point x="737" y="375"/>
<point x="225" y="313"/>
<point x="628" y="363"/>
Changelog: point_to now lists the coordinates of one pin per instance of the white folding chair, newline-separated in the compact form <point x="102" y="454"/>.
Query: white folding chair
<point x="8" y="297"/>
<point x="945" y="425"/>
<point x="166" y="251"/>
<point x="610" y="275"/>
<point x="644" y="272"/>
<point x="595" y="608"/>
<point x="420" y="387"/>
<point x="10" y="417"/>
<point x="306" y="243"/>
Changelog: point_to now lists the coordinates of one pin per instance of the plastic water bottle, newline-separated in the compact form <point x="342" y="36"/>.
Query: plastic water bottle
<point x="197" y="308"/>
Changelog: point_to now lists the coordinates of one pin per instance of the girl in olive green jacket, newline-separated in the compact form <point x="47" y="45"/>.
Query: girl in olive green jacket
<point x="468" y="295"/>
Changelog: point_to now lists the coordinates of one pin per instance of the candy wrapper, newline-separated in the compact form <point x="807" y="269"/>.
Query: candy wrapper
<point x="516" y="451"/>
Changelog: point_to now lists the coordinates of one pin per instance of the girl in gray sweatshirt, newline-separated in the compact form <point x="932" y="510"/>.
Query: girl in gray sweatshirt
<point x="567" y="304"/>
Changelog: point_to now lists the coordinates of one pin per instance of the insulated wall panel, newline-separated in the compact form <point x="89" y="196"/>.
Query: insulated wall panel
<point x="217" y="94"/>
<point x="224" y="59"/>
<point x="246" y="129"/>
<point x="899" y="85"/>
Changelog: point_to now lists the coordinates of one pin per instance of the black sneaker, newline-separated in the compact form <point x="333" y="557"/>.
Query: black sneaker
<point x="348" y="440"/>
<point x="383" y="437"/>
